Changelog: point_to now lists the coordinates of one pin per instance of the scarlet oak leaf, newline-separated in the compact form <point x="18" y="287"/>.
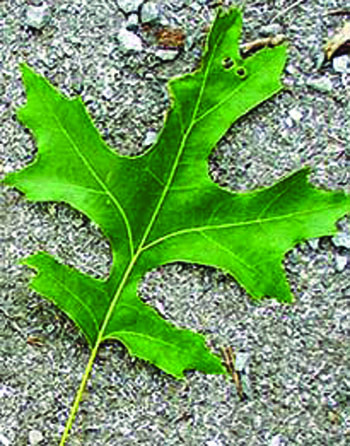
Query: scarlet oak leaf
<point x="162" y="206"/>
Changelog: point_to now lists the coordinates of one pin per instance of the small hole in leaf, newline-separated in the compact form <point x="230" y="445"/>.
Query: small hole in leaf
<point x="241" y="72"/>
<point x="228" y="63"/>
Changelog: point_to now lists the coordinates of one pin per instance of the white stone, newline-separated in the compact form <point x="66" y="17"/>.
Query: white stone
<point x="247" y="388"/>
<point x="128" y="6"/>
<point x="275" y="441"/>
<point x="341" y="64"/>
<point x="289" y="122"/>
<point x="37" y="16"/>
<point x="150" y="138"/>
<point x="323" y="84"/>
<point x="5" y="391"/>
<point x="129" y="41"/>
<point x="107" y="93"/>
<point x="4" y="441"/>
<point x="35" y="437"/>
<point x="314" y="242"/>
<point x="296" y="114"/>
<point x="271" y="30"/>
<point x="291" y="69"/>
<point x="342" y="239"/>
<point x="132" y="22"/>
<point x="166" y="55"/>
<point x="125" y="431"/>
<point x="212" y="443"/>
<point x="150" y="12"/>
<point x="7" y="169"/>
<point x="160" y="308"/>
<point x="241" y="361"/>
<point x="340" y="262"/>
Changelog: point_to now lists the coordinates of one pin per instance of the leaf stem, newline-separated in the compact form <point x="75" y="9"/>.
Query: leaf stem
<point x="79" y="394"/>
<point x="93" y="354"/>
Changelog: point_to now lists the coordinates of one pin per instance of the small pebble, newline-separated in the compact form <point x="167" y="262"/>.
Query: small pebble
<point x="108" y="93"/>
<point x="340" y="262"/>
<point x="166" y="55"/>
<point x="341" y="240"/>
<point x="323" y="84"/>
<point x="289" y="122"/>
<point x="275" y="441"/>
<point x="128" y="6"/>
<point x="35" y="437"/>
<point x="241" y="361"/>
<point x="5" y="391"/>
<point x="246" y="386"/>
<point x="150" y="12"/>
<point x="314" y="243"/>
<point x="132" y="22"/>
<point x="341" y="64"/>
<point x="37" y="16"/>
<point x="150" y="138"/>
<point x="296" y="114"/>
<point x="160" y="307"/>
<point x="291" y="69"/>
<point x="212" y="443"/>
<point x="271" y="30"/>
<point x="129" y="41"/>
<point x="4" y="441"/>
<point x="125" y="431"/>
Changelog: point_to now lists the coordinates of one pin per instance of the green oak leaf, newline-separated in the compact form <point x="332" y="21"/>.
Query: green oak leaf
<point x="162" y="206"/>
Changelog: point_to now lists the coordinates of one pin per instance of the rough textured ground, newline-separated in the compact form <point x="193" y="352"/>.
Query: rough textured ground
<point x="299" y="355"/>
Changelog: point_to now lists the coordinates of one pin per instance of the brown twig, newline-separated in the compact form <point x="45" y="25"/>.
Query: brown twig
<point x="338" y="12"/>
<point x="260" y="43"/>
<point x="35" y="340"/>
<point x="230" y="358"/>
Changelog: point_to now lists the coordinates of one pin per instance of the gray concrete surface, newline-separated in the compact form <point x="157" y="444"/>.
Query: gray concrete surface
<point x="299" y="355"/>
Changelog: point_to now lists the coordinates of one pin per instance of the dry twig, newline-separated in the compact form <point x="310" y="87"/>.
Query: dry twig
<point x="260" y="43"/>
<point x="230" y="358"/>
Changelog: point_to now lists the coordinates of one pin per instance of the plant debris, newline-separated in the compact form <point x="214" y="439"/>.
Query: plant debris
<point x="257" y="44"/>
<point x="230" y="364"/>
<point x="340" y="43"/>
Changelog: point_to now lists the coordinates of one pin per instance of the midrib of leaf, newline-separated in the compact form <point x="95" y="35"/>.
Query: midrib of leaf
<point x="179" y="153"/>
<point x="161" y="199"/>
<point x="233" y="225"/>
<point x="95" y="175"/>
<point x="159" y="204"/>
<point x="135" y="257"/>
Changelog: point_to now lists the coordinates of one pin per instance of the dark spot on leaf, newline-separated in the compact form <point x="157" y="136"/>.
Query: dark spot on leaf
<point x="241" y="72"/>
<point x="228" y="63"/>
